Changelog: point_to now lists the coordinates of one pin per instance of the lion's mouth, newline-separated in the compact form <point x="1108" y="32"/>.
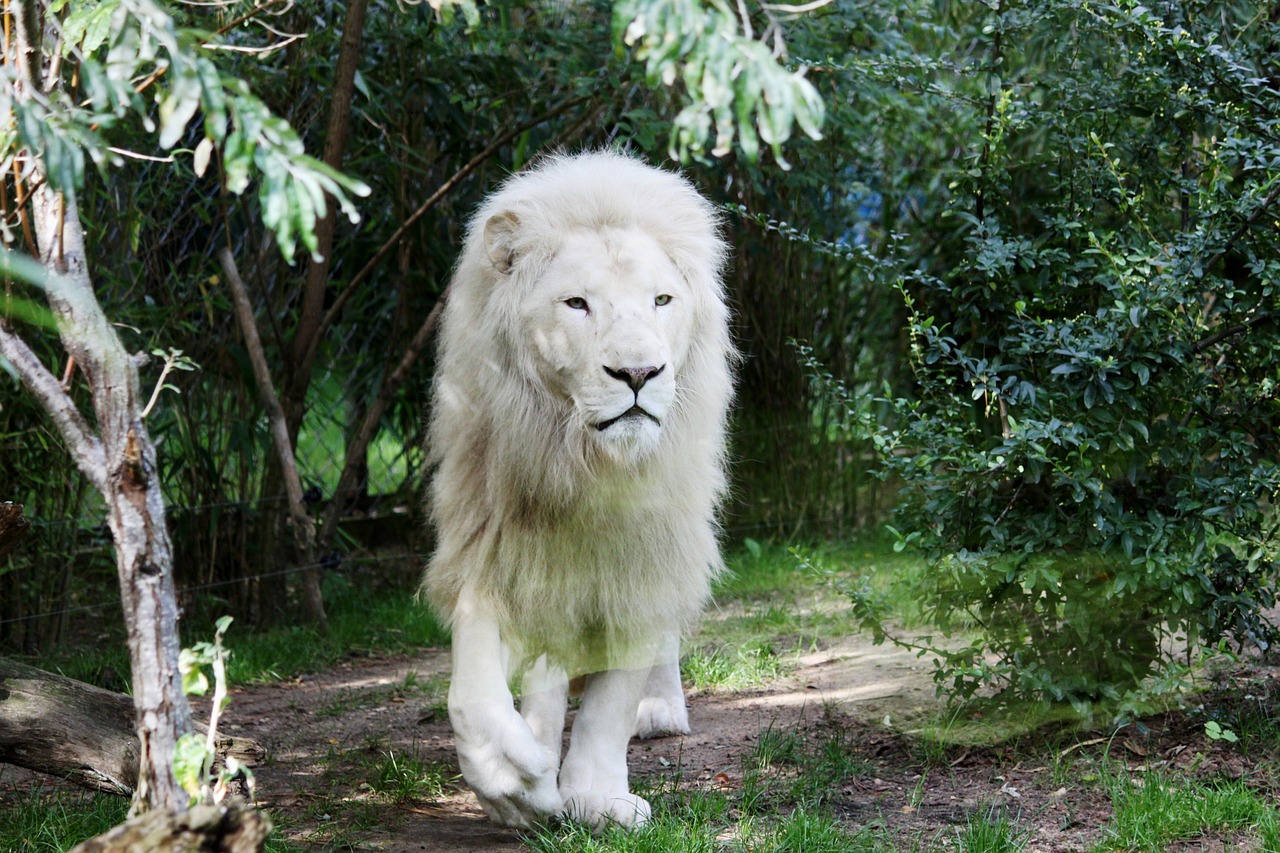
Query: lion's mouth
<point x="633" y="412"/>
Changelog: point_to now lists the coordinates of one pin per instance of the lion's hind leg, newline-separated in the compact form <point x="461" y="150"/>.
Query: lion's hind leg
<point x="593" y="780"/>
<point x="544" y="700"/>
<point x="662" y="709"/>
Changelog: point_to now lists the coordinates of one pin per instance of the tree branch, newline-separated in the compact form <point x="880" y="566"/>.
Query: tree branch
<point x="304" y="531"/>
<point x="475" y="162"/>
<point x="368" y="427"/>
<point x="1238" y="329"/>
<point x="85" y="447"/>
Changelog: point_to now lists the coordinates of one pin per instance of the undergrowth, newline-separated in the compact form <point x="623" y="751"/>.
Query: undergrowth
<point x="810" y="788"/>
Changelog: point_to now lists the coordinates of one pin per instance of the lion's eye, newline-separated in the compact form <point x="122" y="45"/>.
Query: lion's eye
<point x="577" y="303"/>
<point x="662" y="299"/>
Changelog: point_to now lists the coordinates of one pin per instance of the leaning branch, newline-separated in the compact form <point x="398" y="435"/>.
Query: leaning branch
<point x="1238" y="329"/>
<point x="368" y="427"/>
<point x="85" y="447"/>
<point x="331" y="316"/>
<point x="304" y="531"/>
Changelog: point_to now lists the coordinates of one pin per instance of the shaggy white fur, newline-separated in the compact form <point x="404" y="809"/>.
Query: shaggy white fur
<point x="578" y="440"/>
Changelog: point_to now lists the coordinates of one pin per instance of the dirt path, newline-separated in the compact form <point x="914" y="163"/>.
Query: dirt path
<point x="337" y="738"/>
<point x="330" y="735"/>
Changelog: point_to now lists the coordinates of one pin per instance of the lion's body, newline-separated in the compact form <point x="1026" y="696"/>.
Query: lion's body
<point x="578" y="436"/>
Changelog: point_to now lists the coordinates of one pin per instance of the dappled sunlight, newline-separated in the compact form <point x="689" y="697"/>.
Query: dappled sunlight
<point x="809" y="696"/>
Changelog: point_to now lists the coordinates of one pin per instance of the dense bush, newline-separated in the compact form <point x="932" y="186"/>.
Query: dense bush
<point x="1088" y="443"/>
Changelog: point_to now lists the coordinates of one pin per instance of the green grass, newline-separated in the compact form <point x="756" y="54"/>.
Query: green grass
<point x="360" y="623"/>
<point x="42" y="822"/>
<point x="717" y="668"/>
<point x="797" y="769"/>
<point x="992" y="833"/>
<point x="401" y="778"/>
<point x="702" y="824"/>
<point x="1155" y="811"/>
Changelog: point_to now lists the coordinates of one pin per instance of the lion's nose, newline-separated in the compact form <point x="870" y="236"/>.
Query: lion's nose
<point x="635" y="377"/>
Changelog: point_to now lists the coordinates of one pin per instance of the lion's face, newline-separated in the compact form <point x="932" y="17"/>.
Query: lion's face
<point x="607" y="323"/>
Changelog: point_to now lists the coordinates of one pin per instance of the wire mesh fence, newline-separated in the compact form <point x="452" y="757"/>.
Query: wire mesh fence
<point x="60" y="585"/>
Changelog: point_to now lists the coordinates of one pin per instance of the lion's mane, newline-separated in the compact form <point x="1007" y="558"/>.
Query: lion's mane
<point x="563" y="545"/>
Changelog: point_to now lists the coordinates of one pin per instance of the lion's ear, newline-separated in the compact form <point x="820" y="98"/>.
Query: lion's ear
<point x="500" y="238"/>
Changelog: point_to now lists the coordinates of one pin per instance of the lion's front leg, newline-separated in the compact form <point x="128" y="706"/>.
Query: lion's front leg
<point x="593" y="780"/>
<point x="512" y="774"/>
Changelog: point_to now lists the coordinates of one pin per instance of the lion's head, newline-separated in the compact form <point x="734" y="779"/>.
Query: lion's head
<point x="590" y="289"/>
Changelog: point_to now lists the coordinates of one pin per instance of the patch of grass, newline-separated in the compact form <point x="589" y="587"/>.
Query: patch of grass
<point x="994" y="833"/>
<point x="716" y="668"/>
<point x="697" y="823"/>
<point x="1154" y="812"/>
<point x="52" y="822"/>
<point x="789" y="767"/>
<point x="806" y="831"/>
<point x="359" y="623"/>
<point x="407" y="778"/>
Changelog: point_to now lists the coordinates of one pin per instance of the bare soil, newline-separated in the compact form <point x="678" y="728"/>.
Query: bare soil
<point x="329" y="733"/>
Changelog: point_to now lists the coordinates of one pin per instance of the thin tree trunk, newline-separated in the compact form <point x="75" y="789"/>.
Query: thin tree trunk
<point x="303" y="529"/>
<point x="303" y="347"/>
<point x="300" y="354"/>
<point x="358" y="443"/>
<point x="119" y="458"/>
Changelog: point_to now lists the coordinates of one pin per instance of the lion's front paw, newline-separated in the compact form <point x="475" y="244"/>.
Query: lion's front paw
<point x="601" y="810"/>
<point x="659" y="717"/>
<point x="512" y="775"/>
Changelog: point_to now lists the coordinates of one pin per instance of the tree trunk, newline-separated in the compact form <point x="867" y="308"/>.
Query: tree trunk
<point x="237" y="828"/>
<point x="116" y="454"/>
<point x="79" y="732"/>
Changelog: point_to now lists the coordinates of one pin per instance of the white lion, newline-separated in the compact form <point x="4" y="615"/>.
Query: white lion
<point x="578" y="435"/>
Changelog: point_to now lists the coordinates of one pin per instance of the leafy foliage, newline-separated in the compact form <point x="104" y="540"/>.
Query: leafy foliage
<point x="130" y="58"/>
<point x="734" y="85"/>
<point x="1088" y="446"/>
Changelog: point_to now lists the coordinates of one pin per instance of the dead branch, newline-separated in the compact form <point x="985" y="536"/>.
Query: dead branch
<point x="303" y="529"/>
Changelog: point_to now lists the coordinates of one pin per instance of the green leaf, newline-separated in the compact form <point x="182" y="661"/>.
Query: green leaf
<point x="189" y="760"/>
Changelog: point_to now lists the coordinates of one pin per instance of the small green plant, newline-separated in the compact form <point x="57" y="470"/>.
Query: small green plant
<point x="195" y="753"/>
<point x="1216" y="731"/>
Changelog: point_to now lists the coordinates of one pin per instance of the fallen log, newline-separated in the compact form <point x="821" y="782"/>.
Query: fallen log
<point x="79" y="732"/>
<point x="235" y="828"/>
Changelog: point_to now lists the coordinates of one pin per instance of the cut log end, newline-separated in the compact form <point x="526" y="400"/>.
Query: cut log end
<point x="228" y="828"/>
